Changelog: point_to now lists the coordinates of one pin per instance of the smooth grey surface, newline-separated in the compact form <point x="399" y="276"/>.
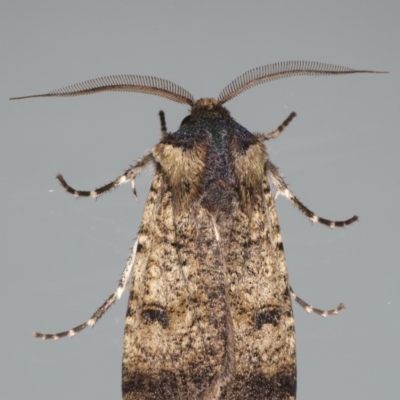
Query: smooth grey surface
<point x="61" y="257"/>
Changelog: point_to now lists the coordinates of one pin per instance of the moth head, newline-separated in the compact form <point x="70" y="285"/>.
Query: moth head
<point x="210" y="106"/>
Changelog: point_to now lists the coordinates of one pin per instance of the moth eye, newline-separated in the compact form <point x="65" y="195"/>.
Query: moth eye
<point x="267" y="317"/>
<point x="158" y="314"/>
<point x="186" y="120"/>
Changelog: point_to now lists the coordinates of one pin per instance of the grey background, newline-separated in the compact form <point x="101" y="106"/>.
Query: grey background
<point x="61" y="257"/>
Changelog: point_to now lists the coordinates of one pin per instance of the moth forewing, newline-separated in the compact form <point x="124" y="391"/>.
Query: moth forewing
<point x="209" y="314"/>
<point x="169" y="319"/>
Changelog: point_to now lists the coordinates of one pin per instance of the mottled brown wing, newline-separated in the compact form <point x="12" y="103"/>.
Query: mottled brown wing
<point x="178" y="321"/>
<point x="209" y="315"/>
<point x="261" y="307"/>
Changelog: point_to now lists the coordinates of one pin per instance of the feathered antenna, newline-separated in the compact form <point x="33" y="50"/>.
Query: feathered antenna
<point x="266" y="73"/>
<point x="123" y="83"/>
<point x="164" y="88"/>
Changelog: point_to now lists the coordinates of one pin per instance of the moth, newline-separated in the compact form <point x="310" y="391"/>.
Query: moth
<point x="209" y="313"/>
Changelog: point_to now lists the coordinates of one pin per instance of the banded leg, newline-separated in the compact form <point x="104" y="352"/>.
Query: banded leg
<point x="311" y="309"/>
<point x="123" y="283"/>
<point x="279" y="130"/>
<point x="163" y="124"/>
<point x="282" y="189"/>
<point x="129" y="175"/>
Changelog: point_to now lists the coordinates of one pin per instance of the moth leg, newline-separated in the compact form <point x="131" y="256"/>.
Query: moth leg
<point x="123" y="283"/>
<point x="282" y="189"/>
<point x="129" y="175"/>
<point x="279" y="130"/>
<point x="164" y="131"/>
<point x="311" y="309"/>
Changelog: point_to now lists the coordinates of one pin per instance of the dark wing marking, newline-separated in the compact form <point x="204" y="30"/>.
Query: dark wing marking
<point x="123" y="83"/>
<point x="266" y="73"/>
